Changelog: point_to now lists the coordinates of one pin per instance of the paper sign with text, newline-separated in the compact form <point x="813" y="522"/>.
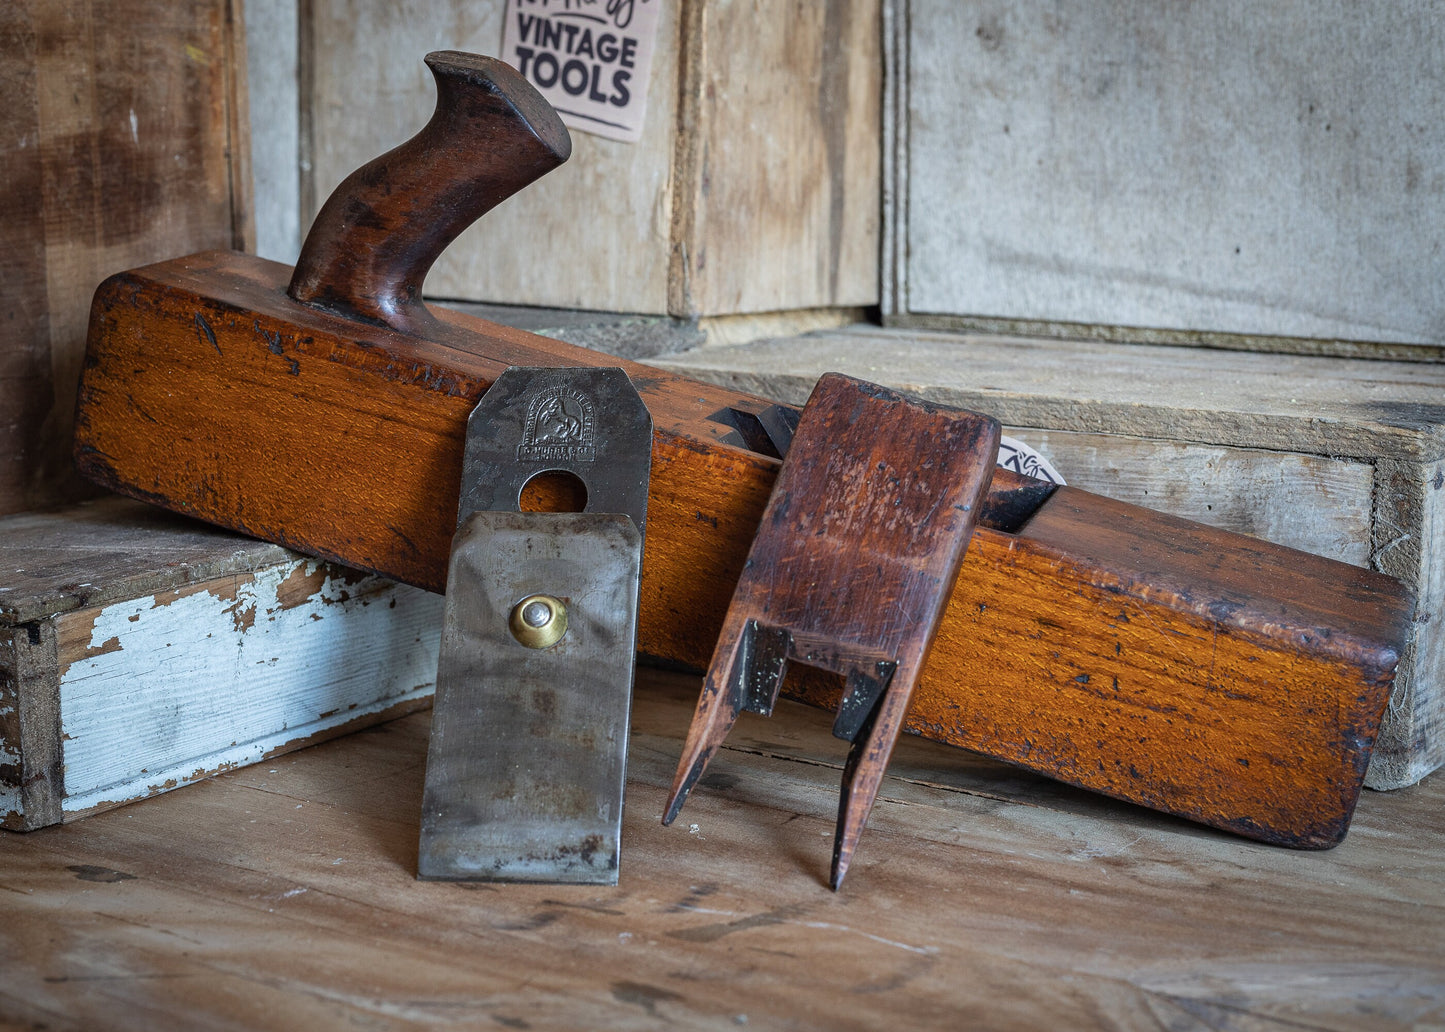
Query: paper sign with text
<point x="589" y="58"/>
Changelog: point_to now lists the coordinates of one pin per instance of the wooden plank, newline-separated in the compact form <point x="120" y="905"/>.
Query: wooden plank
<point x="1310" y="502"/>
<point x="286" y="893"/>
<point x="273" y="88"/>
<point x="611" y="201"/>
<point x="31" y="749"/>
<point x="1077" y="171"/>
<point x="1310" y="405"/>
<point x="108" y="550"/>
<point x="357" y="454"/>
<point x="25" y="376"/>
<point x="122" y="144"/>
<point x="1409" y="527"/>
<point x="767" y="109"/>
<point x="777" y="157"/>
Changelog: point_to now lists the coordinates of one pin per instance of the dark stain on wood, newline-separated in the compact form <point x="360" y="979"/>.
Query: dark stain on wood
<point x="91" y="873"/>
<point x="714" y="932"/>
<point x="596" y="908"/>
<point x="204" y="329"/>
<point x="541" y="919"/>
<point x="642" y="995"/>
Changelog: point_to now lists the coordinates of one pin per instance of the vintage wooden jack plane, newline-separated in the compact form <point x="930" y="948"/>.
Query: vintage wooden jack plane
<point x="1202" y="673"/>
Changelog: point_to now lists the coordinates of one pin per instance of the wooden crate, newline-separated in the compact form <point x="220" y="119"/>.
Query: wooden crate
<point x="1236" y="174"/>
<point x="1341" y="457"/>
<point x="124" y="141"/>
<point x="754" y="187"/>
<point x="140" y="651"/>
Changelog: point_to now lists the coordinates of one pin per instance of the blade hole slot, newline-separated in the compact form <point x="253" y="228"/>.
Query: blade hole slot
<point x="553" y="490"/>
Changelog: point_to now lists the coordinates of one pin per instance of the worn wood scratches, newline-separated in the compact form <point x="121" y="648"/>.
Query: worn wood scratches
<point x="284" y="894"/>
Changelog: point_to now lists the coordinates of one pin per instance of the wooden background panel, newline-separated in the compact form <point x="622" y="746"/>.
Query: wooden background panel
<point x="1409" y="528"/>
<point x="123" y="144"/>
<point x="273" y="92"/>
<point x="780" y="155"/>
<point x="1234" y="168"/>
<point x="754" y="187"/>
<point x="1308" y="502"/>
<point x="26" y="389"/>
<point x="591" y="234"/>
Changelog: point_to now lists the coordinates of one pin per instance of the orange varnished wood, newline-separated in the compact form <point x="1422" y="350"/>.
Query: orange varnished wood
<point x="1199" y="672"/>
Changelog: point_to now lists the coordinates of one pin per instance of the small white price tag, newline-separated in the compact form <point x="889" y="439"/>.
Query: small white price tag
<point x="591" y="59"/>
<point x="1015" y="455"/>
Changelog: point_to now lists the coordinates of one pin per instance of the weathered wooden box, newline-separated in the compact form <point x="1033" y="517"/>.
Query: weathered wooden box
<point x="1341" y="457"/>
<point x="754" y="187"/>
<point x="140" y="651"/>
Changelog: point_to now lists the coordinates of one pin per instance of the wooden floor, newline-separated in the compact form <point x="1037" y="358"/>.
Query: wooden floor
<point x="282" y="896"/>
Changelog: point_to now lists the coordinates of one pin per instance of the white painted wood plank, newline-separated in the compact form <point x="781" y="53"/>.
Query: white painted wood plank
<point x="167" y="688"/>
<point x="1233" y="167"/>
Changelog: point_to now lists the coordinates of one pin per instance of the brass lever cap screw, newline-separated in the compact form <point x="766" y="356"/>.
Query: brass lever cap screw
<point x="538" y="621"/>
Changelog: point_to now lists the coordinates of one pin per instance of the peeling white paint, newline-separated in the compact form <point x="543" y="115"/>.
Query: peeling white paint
<point x="9" y="797"/>
<point x="134" y="128"/>
<point x="202" y="683"/>
<point x="10" y="800"/>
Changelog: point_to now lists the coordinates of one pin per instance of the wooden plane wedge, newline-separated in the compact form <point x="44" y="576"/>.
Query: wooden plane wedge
<point x="854" y="560"/>
<point x="1183" y="668"/>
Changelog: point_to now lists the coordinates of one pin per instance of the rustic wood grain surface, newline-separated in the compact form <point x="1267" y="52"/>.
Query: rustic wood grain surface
<point x="107" y="549"/>
<point x="283" y="895"/>
<point x="1338" y="407"/>
<point x="779" y="118"/>
<point x="122" y="140"/>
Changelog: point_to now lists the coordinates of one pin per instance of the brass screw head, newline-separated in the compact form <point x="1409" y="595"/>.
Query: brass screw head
<point x="538" y="621"/>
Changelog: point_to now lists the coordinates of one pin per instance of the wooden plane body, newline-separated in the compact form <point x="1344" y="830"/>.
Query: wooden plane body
<point x="1187" y="669"/>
